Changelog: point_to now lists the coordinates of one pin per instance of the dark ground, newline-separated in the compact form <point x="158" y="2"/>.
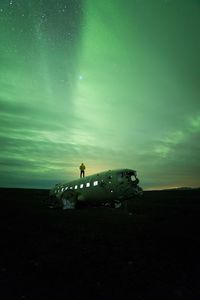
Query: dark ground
<point x="149" y="252"/>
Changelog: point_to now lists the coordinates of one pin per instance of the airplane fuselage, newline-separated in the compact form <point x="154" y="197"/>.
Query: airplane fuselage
<point x="108" y="186"/>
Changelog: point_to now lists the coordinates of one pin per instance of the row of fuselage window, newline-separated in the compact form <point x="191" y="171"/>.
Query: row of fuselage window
<point x="81" y="186"/>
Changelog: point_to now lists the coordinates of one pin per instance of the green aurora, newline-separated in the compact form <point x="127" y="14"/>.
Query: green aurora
<point x="113" y="84"/>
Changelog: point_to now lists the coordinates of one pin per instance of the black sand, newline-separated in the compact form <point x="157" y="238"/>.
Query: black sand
<point x="150" y="251"/>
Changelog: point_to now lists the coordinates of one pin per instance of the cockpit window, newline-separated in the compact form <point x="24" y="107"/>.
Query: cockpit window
<point x="133" y="177"/>
<point x="130" y="175"/>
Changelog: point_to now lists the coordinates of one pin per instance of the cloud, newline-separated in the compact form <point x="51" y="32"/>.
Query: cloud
<point x="136" y="106"/>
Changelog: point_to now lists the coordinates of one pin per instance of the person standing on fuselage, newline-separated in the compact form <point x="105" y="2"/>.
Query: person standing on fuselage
<point x="82" y="170"/>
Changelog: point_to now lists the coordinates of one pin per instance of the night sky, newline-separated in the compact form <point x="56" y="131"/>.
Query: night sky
<point x="111" y="83"/>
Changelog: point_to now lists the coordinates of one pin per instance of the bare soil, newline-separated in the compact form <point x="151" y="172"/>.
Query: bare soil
<point x="148" y="251"/>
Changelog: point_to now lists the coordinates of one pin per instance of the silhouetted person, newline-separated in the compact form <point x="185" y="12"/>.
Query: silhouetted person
<point x="82" y="170"/>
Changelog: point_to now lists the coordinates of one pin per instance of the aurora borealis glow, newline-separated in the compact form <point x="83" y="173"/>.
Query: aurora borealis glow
<point x="110" y="83"/>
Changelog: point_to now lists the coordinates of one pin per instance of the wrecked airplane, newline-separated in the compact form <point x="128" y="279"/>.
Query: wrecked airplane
<point x="112" y="188"/>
